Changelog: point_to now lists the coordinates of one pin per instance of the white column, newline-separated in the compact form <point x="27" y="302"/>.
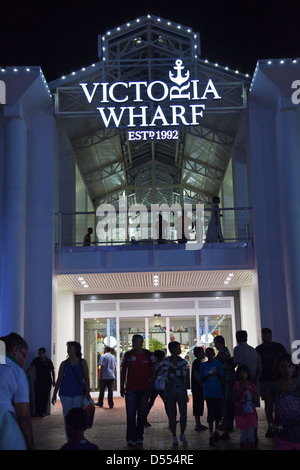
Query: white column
<point x="146" y="332"/>
<point x="14" y="222"/>
<point x="267" y="222"/>
<point x="288" y="162"/>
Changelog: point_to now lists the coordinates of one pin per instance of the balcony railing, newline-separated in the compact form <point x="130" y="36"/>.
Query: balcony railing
<point x="120" y="228"/>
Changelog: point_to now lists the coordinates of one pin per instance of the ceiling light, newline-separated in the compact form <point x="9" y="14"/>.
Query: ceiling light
<point x="138" y="41"/>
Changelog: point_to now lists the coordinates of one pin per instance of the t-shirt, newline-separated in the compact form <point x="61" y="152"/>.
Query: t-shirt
<point x="14" y="385"/>
<point x="287" y="411"/>
<point x="175" y="374"/>
<point x="268" y="356"/>
<point x="43" y="370"/>
<point x="139" y="367"/>
<point x="212" y="387"/>
<point x="108" y="363"/>
<point x="245" y="354"/>
<point x="223" y="355"/>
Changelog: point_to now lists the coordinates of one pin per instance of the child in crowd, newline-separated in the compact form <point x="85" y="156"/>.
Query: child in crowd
<point x="245" y="412"/>
<point x="283" y="411"/>
<point x="76" y="424"/>
<point x="212" y="375"/>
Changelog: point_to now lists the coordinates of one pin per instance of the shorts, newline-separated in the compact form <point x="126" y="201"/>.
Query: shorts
<point x="214" y="409"/>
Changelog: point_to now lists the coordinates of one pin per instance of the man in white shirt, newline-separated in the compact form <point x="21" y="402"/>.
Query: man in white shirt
<point x="245" y="354"/>
<point x="14" y="392"/>
<point x="107" y="376"/>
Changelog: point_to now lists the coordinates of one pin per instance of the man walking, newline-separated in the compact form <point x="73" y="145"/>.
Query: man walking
<point x="107" y="376"/>
<point x="44" y="379"/>
<point x="268" y="351"/>
<point x="136" y="380"/>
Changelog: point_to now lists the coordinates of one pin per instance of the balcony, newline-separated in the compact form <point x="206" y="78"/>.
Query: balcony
<point x="129" y="245"/>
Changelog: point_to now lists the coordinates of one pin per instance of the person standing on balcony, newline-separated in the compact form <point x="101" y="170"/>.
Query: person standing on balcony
<point x="87" y="237"/>
<point x="214" y="231"/>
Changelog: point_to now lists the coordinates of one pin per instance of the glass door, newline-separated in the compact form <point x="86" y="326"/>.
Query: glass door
<point x="98" y="333"/>
<point x="158" y="338"/>
<point x="157" y="331"/>
<point x="214" y="325"/>
<point x="129" y="327"/>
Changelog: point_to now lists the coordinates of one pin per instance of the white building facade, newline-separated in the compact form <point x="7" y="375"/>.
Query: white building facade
<point x="150" y="123"/>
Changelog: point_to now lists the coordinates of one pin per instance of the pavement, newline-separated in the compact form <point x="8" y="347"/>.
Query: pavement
<point x="109" y="431"/>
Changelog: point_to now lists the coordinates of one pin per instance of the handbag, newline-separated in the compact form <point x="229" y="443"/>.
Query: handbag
<point x="89" y="406"/>
<point x="160" y="383"/>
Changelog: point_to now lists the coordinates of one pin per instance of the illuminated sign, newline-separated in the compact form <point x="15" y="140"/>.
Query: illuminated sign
<point x="179" y="102"/>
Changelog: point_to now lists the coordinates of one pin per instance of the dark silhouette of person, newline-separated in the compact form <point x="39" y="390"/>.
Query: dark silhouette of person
<point x="214" y="230"/>
<point x="45" y="377"/>
<point x="87" y="237"/>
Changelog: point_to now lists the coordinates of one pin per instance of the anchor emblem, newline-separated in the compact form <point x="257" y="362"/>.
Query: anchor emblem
<point x="179" y="79"/>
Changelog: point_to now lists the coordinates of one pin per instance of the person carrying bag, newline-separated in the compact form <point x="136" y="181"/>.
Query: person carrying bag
<point x="73" y="380"/>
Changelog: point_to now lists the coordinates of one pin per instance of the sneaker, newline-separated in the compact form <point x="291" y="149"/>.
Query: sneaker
<point x="183" y="439"/>
<point x="130" y="443"/>
<point x="139" y="442"/>
<point x="175" y="441"/>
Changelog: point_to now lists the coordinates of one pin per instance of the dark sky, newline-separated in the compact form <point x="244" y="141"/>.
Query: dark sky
<point x="61" y="36"/>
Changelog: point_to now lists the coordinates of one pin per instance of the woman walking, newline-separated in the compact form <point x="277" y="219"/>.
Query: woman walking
<point x="73" y="379"/>
<point x="174" y="368"/>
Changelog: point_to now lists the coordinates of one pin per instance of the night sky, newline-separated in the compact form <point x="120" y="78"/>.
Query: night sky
<point x="61" y="36"/>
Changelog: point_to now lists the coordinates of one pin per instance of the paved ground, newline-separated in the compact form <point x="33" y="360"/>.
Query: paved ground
<point x="109" y="427"/>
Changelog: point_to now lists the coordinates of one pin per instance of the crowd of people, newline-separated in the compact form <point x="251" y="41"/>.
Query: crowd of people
<point x="230" y="385"/>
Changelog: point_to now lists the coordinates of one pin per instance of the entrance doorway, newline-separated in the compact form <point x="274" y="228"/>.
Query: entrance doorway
<point x="158" y="325"/>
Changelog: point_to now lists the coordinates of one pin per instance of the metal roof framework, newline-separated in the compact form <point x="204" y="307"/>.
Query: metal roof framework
<point x="187" y="170"/>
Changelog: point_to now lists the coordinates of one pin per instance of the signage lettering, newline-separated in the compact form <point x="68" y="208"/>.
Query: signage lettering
<point x="165" y="111"/>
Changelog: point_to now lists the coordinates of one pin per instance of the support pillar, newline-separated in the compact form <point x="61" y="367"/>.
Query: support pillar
<point x="288" y="162"/>
<point x="14" y="222"/>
